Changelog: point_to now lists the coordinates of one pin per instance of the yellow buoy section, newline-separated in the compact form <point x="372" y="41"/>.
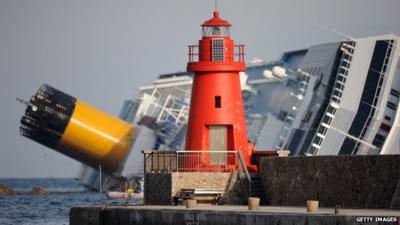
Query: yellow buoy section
<point x="96" y="138"/>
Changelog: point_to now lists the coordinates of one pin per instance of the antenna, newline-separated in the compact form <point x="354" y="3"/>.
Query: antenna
<point x="348" y="37"/>
<point x="216" y="5"/>
<point x="334" y="31"/>
<point x="22" y="101"/>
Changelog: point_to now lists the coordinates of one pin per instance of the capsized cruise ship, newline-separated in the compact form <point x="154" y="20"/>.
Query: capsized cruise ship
<point x="330" y="99"/>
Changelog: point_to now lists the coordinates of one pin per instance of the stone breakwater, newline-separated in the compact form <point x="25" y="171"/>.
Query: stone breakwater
<point x="368" y="181"/>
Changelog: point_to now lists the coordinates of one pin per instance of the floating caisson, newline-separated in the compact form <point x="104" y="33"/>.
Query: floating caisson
<point x="77" y="129"/>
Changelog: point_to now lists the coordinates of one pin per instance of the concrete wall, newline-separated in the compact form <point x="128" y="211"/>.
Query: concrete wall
<point x="168" y="216"/>
<point x="161" y="187"/>
<point x="348" y="181"/>
<point x="158" y="189"/>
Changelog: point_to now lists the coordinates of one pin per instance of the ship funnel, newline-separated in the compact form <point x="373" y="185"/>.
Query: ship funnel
<point x="76" y="129"/>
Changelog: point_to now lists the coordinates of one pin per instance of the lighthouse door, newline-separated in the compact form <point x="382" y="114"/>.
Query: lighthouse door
<point x="218" y="142"/>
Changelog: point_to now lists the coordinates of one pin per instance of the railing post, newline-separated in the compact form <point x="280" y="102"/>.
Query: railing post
<point x="243" y="168"/>
<point x="144" y="176"/>
<point x="190" y="53"/>
<point x="152" y="161"/>
<point x="198" y="162"/>
<point x="177" y="161"/>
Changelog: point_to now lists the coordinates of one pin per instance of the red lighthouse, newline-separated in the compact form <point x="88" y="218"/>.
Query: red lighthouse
<point x="217" y="119"/>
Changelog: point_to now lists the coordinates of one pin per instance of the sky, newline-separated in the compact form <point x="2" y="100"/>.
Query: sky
<point x="100" y="51"/>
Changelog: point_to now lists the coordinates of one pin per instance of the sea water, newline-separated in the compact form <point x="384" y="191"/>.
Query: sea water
<point x="51" y="209"/>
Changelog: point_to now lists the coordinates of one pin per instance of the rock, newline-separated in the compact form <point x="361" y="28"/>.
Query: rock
<point x="4" y="190"/>
<point x="39" y="191"/>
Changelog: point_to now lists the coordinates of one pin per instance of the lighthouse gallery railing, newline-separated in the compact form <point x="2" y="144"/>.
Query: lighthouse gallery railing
<point x="193" y="161"/>
<point x="194" y="53"/>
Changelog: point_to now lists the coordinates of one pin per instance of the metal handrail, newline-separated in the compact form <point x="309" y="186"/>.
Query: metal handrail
<point x="193" y="53"/>
<point x="190" y="161"/>
<point x="172" y="161"/>
<point x="246" y="180"/>
<point x="200" y="151"/>
<point x="239" y="52"/>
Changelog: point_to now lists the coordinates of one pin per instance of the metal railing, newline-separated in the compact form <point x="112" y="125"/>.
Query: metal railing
<point x="199" y="161"/>
<point x="238" y="53"/>
<point x="191" y="161"/>
<point x="193" y="53"/>
<point x="244" y="176"/>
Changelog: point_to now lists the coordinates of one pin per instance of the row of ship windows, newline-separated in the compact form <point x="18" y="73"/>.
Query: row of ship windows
<point x="327" y="119"/>
<point x="342" y="75"/>
<point x="304" y="79"/>
<point x="337" y="92"/>
<point x="379" y="139"/>
<point x="391" y="105"/>
<point x="336" y="95"/>
<point x="395" y="93"/>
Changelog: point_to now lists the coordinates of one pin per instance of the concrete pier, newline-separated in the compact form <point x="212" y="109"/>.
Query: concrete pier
<point x="224" y="215"/>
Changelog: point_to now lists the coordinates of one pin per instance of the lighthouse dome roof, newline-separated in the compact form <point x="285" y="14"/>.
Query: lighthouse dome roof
<point x="216" y="21"/>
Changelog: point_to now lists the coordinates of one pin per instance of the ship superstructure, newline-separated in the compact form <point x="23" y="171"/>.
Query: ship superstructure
<point x="329" y="99"/>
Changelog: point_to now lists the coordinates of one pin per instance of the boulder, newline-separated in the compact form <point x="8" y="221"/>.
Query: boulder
<point x="4" y="190"/>
<point x="39" y="191"/>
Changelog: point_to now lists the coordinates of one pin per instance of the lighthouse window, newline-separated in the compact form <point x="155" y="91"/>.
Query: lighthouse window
<point x="217" y="101"/>
<point x="218" y="49"/>
<point x="215" y="31"/>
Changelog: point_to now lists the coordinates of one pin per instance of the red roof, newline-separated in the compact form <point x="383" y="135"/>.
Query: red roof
<point x="216" y="21"/>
